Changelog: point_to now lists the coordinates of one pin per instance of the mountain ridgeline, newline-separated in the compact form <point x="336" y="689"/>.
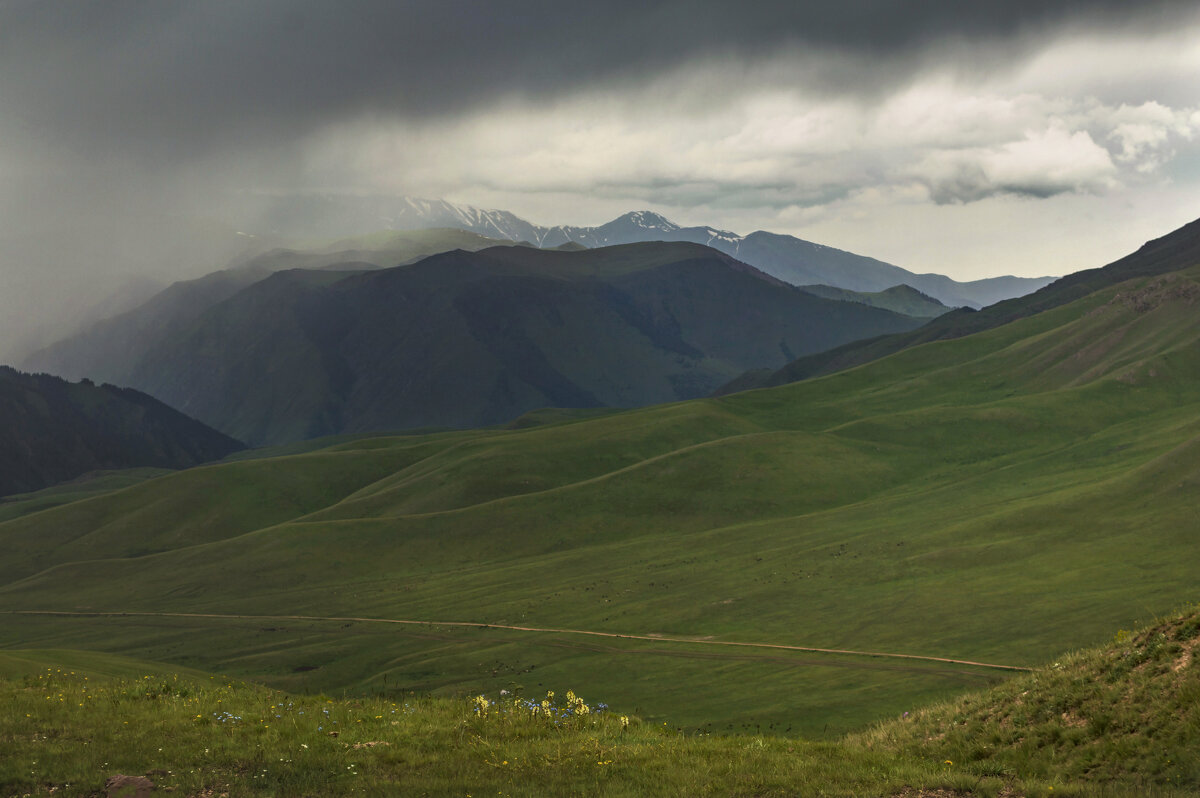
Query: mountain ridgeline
<point x="1176" y="250"/>
<point x="791" y="259"/>
<point x="52" y="430"/>
<point x="468" y="339"/>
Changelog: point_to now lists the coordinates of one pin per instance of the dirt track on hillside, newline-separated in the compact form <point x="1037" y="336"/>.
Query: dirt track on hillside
<point x="655" y="638"/>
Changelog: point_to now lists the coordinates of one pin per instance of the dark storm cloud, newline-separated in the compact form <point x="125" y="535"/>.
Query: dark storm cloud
<point x="173" y="80"/>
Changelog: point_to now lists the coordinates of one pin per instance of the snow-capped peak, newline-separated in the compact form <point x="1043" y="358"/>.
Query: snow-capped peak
<point x="649" y="220"/>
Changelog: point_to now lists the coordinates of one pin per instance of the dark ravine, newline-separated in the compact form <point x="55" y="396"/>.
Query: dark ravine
<point x="52" y="430"/>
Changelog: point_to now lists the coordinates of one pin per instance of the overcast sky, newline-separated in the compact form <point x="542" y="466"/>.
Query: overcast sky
<point x="969" y="138"/>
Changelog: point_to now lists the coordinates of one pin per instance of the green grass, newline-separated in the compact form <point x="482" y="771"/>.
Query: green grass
<point x="1127" y="713"/>
<point x="999" y="498"/>
<point x="1122" y="719"/>
<point x="67" y="731"/>
<point x="85" y="487"/>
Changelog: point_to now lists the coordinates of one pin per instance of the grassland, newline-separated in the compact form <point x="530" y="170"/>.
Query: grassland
<point x="1121" y="719"/>
<point x="1000" y="498"/>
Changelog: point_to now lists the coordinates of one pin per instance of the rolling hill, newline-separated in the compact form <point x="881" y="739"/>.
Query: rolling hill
<point x="52" y="431"/>
<point x="870" y="540"/>
<point x="470" y="339"/>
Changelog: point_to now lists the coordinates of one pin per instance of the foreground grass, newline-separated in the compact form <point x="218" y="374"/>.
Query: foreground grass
<point x="67" y="732"/>
<point x="1123" y="719"/>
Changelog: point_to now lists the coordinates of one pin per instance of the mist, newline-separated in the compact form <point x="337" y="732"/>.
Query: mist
<point x="142" y="143"/>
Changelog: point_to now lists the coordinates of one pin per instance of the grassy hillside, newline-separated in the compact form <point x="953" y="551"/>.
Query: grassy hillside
<point x="92" y="484"/>
<point x="998" y="498"/>
<point x="1116" y="720"/>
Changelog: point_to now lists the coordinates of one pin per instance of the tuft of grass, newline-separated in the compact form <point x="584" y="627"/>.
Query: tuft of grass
<point x="1125" y="715"/>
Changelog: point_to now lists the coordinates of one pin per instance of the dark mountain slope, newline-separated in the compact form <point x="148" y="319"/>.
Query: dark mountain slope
<point x="469" y="339"/>
<point x="1177" y="250"/>
<point x="52" y="430"/>
<point x="109" y="350"/>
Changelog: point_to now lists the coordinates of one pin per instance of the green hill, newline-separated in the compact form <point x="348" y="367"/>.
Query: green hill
<point x="997" y="498"/>
<point x="899" y="298"/>
<point x="52" y="430"/>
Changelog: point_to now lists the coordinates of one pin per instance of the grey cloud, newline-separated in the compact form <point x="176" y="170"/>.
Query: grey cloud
<point x="175" y="79"/>
<point x="970" y="183"/>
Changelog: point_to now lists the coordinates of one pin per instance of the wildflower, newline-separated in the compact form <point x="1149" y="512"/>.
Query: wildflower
<point x="624" y="721"/>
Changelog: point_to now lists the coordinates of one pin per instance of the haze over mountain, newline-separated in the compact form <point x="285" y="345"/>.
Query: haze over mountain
<point x="52" y="430"/>
<point x="463" y="339"/>
<point x="791" y="259"/>
<point x="107" y="350"/>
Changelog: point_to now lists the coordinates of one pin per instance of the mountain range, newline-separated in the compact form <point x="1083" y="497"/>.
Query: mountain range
<point x="791" y="259"/>
<point x="460" y="339"/>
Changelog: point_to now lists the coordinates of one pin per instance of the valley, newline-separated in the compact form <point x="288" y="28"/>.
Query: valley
<point x="1027" y="480"/>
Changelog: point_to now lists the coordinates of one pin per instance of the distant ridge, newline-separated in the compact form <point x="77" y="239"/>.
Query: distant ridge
<point x="52" y="430"/>
<point x="1176" y="250"/>
<point x="901" y="298"/>
<point x="791" y="259"/>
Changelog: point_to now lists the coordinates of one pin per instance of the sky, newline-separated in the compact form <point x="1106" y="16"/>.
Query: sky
<point x="971" y="139"/>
